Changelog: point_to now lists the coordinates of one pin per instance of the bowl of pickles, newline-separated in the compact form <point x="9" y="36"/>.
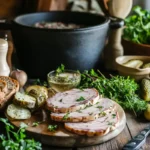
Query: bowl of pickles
<point x="137" y="67"/>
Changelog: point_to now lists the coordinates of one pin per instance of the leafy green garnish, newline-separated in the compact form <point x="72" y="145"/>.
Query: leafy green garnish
<point x="60" y="69"/>
<point x="81" y="98"/>
<point x="17" y="140"/>
<point x="39" y="82"/>
<point x="65" y="117"/>
<point x="52" y="128"/>
<point x="114" y="115"/>
<point x="100" y="107"/>
<point x="34" y="124"/>
<point x="137" y="26"/>
<point x="121" y="89"/>
<point x="110" y="123"/>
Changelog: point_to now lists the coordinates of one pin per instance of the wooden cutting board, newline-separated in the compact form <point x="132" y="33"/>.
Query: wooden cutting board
<point x="64" y="138"/>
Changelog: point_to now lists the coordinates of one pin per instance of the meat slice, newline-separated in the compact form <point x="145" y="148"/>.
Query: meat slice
<point x="100" y="126"/>
<point x="86" y="114"/>
<point x="72" y="100"/>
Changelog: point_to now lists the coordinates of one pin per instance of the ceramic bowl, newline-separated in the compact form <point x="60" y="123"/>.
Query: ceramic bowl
<point x="136" y="73"/>
<point x="63" y="81"/>
<point x="131" y="48"/>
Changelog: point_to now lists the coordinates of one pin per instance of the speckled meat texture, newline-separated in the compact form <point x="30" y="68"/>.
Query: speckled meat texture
<point x="72" y="100"/>
<point x="86" y="114"/>
<point x="100" y="126"/>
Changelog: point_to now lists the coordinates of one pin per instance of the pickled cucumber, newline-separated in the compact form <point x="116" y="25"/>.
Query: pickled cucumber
<point x="134" y="63"/>
<point x="147" y="65"/>
<point x="145" y="89"/>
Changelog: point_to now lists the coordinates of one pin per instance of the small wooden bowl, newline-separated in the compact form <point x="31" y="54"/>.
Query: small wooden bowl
<point x="131" y="48"/>
<point x="136" y="73"/>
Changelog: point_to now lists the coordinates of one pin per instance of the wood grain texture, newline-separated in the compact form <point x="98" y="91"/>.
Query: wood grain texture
<point x="136" y="125"/>
<point x="114" y="144"/>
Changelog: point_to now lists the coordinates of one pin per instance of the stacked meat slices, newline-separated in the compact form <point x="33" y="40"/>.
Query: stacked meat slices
<point x="83" y="112"/>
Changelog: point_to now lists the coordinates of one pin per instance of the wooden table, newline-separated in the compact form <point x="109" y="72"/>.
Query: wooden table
<point x="132" y="128"/>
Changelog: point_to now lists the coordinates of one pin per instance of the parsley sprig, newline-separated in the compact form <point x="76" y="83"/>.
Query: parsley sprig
<point x="52" y="128"/>
<point x="81" y="98"/>
<point x="17" y="140"/>
<point x="60" y="69"/>
<point x="137" y="26"/>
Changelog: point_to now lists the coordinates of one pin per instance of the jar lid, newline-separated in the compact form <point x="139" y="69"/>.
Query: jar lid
<point x="3" y="43"/>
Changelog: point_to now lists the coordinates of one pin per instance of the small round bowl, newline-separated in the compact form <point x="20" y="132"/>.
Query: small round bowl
<point x="136" y="73"/>
<point x="63" y="81"/>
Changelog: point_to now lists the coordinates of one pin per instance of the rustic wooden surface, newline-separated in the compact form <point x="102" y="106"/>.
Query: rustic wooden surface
<point x="133" y="126"/>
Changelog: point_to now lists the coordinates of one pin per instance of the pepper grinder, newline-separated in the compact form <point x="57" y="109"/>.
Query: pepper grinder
<point x="4" y="68"/>
<point x="114" y="48"/>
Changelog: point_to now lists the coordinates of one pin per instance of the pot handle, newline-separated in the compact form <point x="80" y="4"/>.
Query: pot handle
<point x="116" y="22"/>
<point x="5" y="24"/>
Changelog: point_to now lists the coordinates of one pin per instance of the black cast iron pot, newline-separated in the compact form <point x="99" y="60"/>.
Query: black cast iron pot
<point x="42" y="50"/>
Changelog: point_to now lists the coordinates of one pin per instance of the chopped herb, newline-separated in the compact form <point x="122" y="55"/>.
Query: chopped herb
<point x="52" y="128"/>
<point x="102" y="113"/>
<point x="113" y="115"/>
<point x="34" y="124"/>
<point x="45" y="84"/>
<point x="100" y="107"/>
<point x="80" y="99"/>
<point x="65" y="117"/>
<point x="23" y="125"/>
<point x="88" y="106"/>
<point x="60" y="69"/>
<point x="97" y="103"/>
<point x="39" y="82"/>
<point x="110" y="123"/>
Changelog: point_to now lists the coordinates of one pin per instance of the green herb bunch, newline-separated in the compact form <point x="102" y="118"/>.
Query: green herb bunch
<point x="17" y="140"/>
<point x="121" y="89"/>
<point x="137" y="26"/>
<point x="60" y="69"/>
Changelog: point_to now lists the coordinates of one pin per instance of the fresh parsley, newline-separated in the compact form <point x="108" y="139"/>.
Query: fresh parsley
<point x="39" y="82"/>
<point x="60" y="69"/>
<point x="52" y="128"/>
<point x="114" y="115"/>
<point x="17" y="140"/>
<point x="65" y="117"/>
<point x="137" y="26"/>
<point x="34" y="124"/>
<point x="81" y="98"/>
<point x="100" y="107"/>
